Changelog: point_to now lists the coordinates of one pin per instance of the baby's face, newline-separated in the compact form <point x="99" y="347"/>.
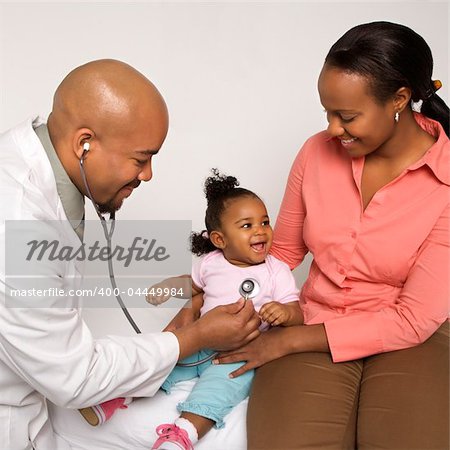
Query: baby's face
<point x="246" y="231"/>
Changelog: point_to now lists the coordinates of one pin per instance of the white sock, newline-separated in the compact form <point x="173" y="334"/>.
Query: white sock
<point x="189" y="428"/>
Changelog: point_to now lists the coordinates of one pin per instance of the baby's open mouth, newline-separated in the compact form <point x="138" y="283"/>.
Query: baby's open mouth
<point x="258" y="246"/>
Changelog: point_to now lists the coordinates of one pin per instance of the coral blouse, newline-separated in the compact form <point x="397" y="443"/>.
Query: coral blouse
<point x="379" y="280"/>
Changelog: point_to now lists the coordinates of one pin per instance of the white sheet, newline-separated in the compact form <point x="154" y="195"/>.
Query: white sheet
<point x="134" y="428"/>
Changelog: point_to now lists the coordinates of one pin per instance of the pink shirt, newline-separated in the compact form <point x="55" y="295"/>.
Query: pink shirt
<point x="220" y="281"/>
<point x="380" y="277"/>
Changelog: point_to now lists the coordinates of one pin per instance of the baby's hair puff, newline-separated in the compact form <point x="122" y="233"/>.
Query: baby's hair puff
<point x="219" y="190"/>
<point x="219" y="185"/>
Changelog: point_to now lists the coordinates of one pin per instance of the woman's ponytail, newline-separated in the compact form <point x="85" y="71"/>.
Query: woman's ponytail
<point x="435" y="108"/>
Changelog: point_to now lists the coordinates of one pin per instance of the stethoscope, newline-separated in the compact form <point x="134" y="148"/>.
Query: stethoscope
<point x="108" y="236"/>
<point x="249" y="288"/>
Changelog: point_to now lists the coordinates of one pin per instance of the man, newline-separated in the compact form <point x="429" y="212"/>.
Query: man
<point x="49" y="352"/>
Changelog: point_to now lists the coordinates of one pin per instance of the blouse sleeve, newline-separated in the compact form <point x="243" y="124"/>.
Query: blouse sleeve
<point x="288" y="244"/>
<point x="422" y="306"/>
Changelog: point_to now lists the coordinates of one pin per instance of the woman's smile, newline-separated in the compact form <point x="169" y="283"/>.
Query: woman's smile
<point x="348" y="142"/>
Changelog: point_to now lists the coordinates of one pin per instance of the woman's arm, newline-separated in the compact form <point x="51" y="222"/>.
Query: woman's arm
<point x="288" y="244"/>
<point x="274" y="344"/>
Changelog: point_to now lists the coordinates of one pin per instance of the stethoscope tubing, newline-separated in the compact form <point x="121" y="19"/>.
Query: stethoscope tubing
<point x="108" y="236"/>
<point x="197" y="363"/>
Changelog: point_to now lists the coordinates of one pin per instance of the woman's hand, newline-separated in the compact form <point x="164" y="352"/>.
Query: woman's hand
<point x="274" y="344"/>
<point x="265" y="348"/>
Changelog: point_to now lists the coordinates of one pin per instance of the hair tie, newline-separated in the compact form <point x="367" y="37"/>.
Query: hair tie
<point x="437" y="84"/>
<point x="205" y="234"/>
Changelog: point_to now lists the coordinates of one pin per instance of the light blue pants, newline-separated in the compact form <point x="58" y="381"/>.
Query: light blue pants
<point x="215" y="394"/>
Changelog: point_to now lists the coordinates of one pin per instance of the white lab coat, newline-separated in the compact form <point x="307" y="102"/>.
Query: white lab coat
<point x="49" y="352"/>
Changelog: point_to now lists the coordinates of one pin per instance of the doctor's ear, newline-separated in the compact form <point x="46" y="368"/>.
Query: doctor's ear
<point x="82" y="142"/>
<point x="218" y="239"/>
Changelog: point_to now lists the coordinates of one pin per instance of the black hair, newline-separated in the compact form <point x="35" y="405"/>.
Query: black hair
<point x="391" y="56"/>
<point x="219" y="190"/>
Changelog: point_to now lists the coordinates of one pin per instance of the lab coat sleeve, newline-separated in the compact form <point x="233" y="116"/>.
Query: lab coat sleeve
<point x="52" y="349"/>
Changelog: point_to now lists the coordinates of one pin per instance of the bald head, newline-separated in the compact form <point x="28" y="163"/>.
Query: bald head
<point x="104" y="94"/>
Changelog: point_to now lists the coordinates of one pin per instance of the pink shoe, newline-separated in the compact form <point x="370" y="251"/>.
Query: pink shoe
<point x="172" y="437"/>
<point x="99" y="414"/>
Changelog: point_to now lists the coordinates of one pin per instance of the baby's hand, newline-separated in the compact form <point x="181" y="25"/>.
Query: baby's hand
<point x="179" y="287"/>
<point x="159" y="292"/>
<point x="275" y="313"/>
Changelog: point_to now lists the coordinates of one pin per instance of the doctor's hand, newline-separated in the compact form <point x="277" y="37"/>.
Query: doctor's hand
<point x="187" y="315"/>
<point x="230" y="326"/>
<point x="223" y="328"/>
<point x="184" y="317"/>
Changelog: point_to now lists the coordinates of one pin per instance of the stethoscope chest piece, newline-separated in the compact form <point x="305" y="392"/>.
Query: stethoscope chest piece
<point x="249" y="288"/>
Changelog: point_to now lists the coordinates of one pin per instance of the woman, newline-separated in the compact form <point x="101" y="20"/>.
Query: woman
<point x="369" y="198"/>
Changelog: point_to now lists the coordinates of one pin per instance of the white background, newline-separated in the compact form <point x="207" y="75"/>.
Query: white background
<point x="239" y="79"/>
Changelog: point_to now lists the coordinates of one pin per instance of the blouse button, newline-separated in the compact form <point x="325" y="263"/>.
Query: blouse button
<point x="353" y="235"/>
<point x="341" y="271"/>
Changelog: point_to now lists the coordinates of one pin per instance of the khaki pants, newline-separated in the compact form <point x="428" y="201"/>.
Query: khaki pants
<point x="396" y="400"/>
